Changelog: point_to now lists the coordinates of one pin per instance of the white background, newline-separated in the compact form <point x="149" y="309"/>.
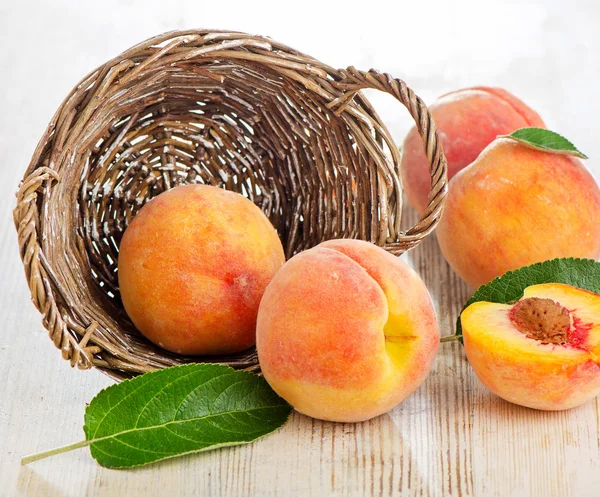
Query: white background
<point x="545" y="52"/>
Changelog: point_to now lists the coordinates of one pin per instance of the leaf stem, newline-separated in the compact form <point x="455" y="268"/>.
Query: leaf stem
<point x="450" y="338"/>
<point x="58" y="450"/>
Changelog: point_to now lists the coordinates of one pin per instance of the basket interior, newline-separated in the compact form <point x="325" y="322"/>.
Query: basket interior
<point x="141" y="125"/>
<point x="232" y="125"/>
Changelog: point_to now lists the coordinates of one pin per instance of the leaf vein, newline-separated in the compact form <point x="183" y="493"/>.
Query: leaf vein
<point x="196" y="388"/>
<point x="140" y="449"/>
<point x="159" y="392"/>
<point x="184" y="421"/>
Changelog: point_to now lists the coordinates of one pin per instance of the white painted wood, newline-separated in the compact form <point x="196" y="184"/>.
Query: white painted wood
<point x="452" y="437"/>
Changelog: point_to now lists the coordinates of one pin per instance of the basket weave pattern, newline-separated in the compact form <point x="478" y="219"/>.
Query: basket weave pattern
<point x="221" y="108"/>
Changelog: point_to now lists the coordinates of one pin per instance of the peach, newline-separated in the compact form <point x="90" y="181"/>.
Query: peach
<point x="515" y="206"/>
<point x="346" y="331"/>
<point x="193" y="266"/>
<point x="543" y="352"/>
<point x="468" y="121"/>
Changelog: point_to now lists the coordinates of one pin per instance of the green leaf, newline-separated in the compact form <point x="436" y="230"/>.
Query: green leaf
<point x="546" y="140"/>
<point x="178" y="411"/>
<point x="508" y="288"/>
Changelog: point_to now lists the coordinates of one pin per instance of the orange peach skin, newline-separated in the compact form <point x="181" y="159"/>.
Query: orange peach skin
<point x="468" y="120"/>
<point x="346" y="331"/>
<point x="527" y="372"/>
<point x="193" y="266"/>
<point x="515" y="206"/>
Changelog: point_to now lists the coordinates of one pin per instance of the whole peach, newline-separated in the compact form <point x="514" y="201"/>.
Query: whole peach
<point x="193" y="266"/>
<point x="468" y="120"/>
<point x="515" y="206"/>
<point x="346" y="331"/>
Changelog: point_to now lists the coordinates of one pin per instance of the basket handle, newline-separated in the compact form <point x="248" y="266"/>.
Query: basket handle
<point x="354" y="80"/>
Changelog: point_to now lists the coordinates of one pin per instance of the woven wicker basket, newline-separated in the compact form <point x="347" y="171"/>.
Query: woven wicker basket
<point x="229" y="109"/>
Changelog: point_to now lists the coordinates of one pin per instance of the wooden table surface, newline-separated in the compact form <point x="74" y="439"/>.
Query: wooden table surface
<point x="452" y="437"/>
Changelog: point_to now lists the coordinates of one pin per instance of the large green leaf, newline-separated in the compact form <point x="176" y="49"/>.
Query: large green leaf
<point x="180" y="410"/>
<point x="546" y="140"/>
<point x="177" y="411"/>
<point x="508" y="288"/>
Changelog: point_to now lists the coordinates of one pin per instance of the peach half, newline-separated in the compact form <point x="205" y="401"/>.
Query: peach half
<point x="542" y="352"/>
<point x="346" y="331"/>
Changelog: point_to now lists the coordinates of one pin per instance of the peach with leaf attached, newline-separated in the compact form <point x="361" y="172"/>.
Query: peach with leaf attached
<point x="468" y="120"/>
<point x="515" y="206"/>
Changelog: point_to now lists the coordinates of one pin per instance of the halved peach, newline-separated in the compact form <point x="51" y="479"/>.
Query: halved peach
<point x="542" y="352"/>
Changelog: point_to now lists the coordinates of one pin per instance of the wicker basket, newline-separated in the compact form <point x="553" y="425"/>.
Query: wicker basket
<point x="229" y="109"/>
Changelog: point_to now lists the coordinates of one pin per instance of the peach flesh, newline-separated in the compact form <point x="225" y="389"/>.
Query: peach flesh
<point x="523" y="369"/>
<point x="346" y="331"/>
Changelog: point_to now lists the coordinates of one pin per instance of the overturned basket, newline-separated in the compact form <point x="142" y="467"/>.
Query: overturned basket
<point x="228" y="109"/>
